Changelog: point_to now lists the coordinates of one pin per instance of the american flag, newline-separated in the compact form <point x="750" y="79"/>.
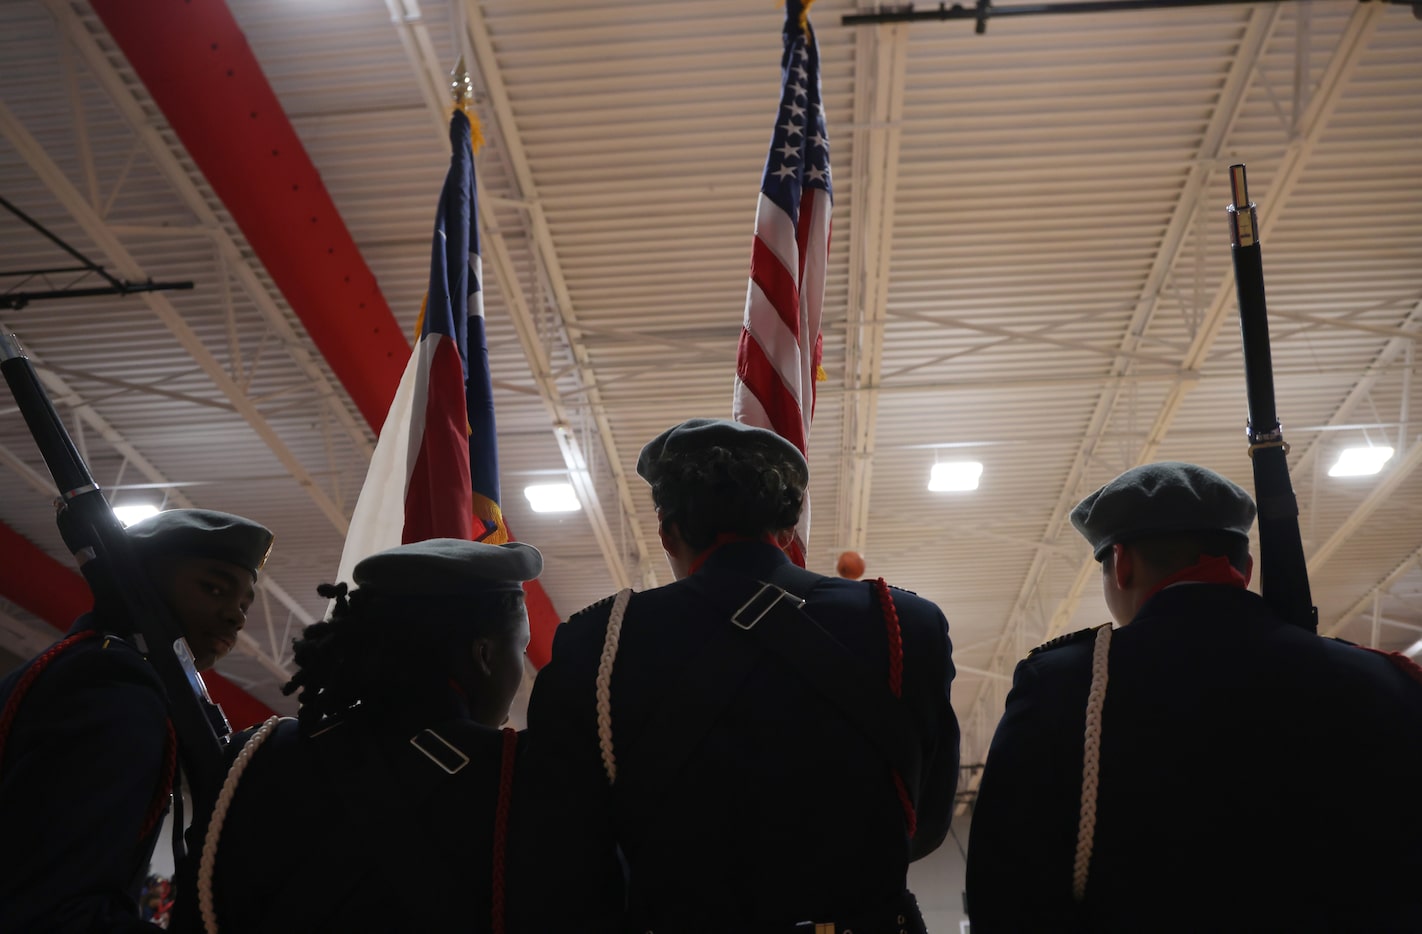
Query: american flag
<point x="778" y="359"/>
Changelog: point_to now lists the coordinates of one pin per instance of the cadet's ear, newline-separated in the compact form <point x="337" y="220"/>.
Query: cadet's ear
<point x="784" y="537"/>
<point x="1248" y="569"/>
<point x="1123" y="566"/>
<point x="483" y="651"/>
<point x="669" y="534"/>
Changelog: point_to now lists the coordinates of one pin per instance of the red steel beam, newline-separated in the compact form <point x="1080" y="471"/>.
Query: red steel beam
<point x="199" y="69"/>
<point x="196" y="63"/>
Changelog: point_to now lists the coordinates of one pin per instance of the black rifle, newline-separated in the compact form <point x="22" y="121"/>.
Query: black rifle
<point x="1283" y="572"/>
<point x="122" y="591"/>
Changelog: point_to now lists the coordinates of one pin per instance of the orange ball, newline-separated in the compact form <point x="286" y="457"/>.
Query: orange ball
<point x="850" y="564"/>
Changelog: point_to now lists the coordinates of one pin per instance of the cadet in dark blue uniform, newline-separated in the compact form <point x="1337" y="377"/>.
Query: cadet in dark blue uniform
<point x="759" y="767"/>
<point x="1207" y="766"/>
<point x="86" y="750"/>
<point x="385" y="806"/>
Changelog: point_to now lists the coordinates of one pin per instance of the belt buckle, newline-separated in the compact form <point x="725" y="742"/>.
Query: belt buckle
<point x="777" y="595"/>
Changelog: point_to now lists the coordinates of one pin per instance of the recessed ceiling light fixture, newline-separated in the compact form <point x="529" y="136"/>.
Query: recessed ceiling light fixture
<point x="954" y="476"/>
<point x="552" y="497"/>
<point x="135" y="512"/>
<point x="1360" y="462"/>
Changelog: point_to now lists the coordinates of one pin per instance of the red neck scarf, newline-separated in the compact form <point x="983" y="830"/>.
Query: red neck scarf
<point x="726" y="538"/>
<point x="1209" y="569"/>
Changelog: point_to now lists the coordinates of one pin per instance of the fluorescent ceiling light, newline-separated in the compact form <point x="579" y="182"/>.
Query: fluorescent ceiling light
<point x="552" y="497"/>
<point x="137" y="512"/>
<point x="1360" y="462"/>
<point x="955" y="476"/>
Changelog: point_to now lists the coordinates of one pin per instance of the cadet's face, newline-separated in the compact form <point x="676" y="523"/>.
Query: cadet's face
<point x="502" y="657"/>
<point x="210" y="599"/>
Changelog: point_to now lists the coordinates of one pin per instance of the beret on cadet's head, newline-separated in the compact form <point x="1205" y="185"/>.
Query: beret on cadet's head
<point x="448" y="567"/>
<point x="1158" y="499"/>
<point x="202" y="533"/>
<point x="697" y="434"/>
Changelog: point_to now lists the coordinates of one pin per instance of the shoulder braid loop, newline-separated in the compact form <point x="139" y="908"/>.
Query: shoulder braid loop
<point x="219" y="816"/>
<point x="604" y="682"/>
<point x="1091" y="762"/>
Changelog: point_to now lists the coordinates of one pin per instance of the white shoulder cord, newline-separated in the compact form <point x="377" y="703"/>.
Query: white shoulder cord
<point x="219" y="815"/>
<point x="604" y="682"/>
<point x="1091" y="763"/>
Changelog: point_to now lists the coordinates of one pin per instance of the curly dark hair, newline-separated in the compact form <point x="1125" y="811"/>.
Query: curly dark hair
<point x="748" y="491"/>
<point x="378" y="650"/>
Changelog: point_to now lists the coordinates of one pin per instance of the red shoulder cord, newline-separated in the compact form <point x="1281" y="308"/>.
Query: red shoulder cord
<point x="12" y="707"/>
<point x="164" y="791"/>
<point x="896" y="685"/>
<point x="501" y="827"/>
<point x="22" y="687"/>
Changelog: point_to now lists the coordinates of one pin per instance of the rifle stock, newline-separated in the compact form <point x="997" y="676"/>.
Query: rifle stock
<point x="120" y="586"/>
<point x="1283" y="570"/>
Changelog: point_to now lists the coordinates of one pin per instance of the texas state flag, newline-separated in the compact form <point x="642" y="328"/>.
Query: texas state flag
<point x="435" y="471"/>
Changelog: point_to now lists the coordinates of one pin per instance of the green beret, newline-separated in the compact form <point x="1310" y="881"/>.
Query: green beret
<point x="697" y="434"/>
<point x="1158" y="499"/>
<point x="202" y="533"/>
<point x="448" y="567"/>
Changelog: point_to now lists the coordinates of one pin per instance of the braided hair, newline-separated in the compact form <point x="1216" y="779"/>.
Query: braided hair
<point x="750" y="492"/>
<point x="377" y="651"/>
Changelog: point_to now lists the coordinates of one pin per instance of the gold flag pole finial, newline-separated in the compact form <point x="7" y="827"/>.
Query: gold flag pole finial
<point x="461" y="88"/>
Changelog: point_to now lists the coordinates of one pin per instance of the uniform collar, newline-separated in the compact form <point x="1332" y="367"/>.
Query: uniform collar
<point x="417" y="709"/>
<point x="92" y="622"/>
<point x="1199" y="597"/>
<point x="741" y="555"/>
<point x="1208" y="570"/>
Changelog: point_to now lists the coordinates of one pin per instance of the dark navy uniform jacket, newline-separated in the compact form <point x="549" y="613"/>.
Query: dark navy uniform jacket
<point x="1253" y="777"/>
<point x="79" y="783"/>
<point x="357" y="830"/>
<point x="785" y="812"/>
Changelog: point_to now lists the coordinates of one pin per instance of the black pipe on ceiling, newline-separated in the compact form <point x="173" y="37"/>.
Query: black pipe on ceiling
<point x="985" y="10"/>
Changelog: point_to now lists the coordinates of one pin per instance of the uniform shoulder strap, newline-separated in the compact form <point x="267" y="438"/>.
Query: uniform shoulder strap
<point x="1071" y="638"/>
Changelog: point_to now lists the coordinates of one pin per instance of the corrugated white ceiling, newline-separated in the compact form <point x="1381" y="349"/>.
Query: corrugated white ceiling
<point x="1030" y="268"/>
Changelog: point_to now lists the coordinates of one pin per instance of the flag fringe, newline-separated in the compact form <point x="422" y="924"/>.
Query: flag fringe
<point x="487" y="511"/>
<point x="476" y="130"/>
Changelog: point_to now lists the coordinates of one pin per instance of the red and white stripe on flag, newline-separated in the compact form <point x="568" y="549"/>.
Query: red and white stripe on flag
<point x="405" y="487"/>
<point x="778" y="358"/>
<point x="780" y="347"/>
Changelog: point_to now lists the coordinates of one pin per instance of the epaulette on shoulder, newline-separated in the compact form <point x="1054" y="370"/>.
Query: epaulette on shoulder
<point x="1079" y="636"/>
<point x="605" y="601"/>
